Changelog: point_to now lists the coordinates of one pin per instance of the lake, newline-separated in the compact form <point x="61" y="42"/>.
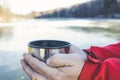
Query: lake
<point x="84" y="33"/>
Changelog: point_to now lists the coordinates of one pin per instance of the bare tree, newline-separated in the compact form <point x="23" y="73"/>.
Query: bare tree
<point x="110" y="7"/>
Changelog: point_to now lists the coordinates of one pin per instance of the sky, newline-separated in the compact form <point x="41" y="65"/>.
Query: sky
<point x="27" y="6"/>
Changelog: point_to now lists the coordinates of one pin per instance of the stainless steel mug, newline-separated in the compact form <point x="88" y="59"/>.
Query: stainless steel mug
<point x="43" y="49"/>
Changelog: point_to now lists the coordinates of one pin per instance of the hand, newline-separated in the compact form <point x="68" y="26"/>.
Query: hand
<point x="58" y="67"/>
<point x="75" y="50"/>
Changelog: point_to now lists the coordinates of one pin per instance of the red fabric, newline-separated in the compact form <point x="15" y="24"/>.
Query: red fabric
<point x="105" y="65"/>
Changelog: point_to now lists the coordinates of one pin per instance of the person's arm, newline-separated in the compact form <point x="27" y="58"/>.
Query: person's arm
<point x="70" y="66"/>
<point x="94" y="69"/>
<point x="102" y="53"/>
<point x="104" y="64"/>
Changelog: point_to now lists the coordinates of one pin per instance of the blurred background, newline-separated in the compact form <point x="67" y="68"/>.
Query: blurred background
<point x="84" y="23"/>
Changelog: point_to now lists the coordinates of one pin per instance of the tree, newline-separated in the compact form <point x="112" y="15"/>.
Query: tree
<point x="110" y="7"/>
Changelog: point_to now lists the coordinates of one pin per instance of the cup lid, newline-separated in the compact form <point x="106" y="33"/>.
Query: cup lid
<point x="51" y="44"/>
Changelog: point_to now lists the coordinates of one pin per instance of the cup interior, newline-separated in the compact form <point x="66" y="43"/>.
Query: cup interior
<point x="54" y="44"/>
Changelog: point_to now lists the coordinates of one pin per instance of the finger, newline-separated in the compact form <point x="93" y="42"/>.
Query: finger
<point x="74" y="49"/>
<point x="32" y="74"/>
<point x="37" y="65"/>
<point x="36" y="56"/>
<point x="27" y="69"/>
<point x="60" y="60"/>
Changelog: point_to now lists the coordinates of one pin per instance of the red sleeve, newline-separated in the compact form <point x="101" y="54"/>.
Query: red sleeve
<point x="108" y="69"/>
<point x="102" y="53"/>
<point x="106" y="65"/>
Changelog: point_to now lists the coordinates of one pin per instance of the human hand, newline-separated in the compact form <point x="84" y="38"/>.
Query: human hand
<point x="75" y="50"/>
<point x="58" y="67"/>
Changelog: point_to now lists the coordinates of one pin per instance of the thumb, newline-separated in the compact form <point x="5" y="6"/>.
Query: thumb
<point x="61" y="60"/>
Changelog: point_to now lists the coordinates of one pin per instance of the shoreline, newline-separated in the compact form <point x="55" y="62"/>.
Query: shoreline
<point x="61" y="22"/>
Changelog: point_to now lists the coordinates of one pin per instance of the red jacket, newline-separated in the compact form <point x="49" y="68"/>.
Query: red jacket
<point x="105" y="65"/>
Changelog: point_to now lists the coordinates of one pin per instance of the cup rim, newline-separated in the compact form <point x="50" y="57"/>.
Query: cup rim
<point x="60" y="44"/>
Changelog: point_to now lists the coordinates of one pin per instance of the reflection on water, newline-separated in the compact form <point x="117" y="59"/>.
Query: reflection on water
<point x="10" y="69"/>
<point x="14" y="39"/>
<point x="113" y="32"/>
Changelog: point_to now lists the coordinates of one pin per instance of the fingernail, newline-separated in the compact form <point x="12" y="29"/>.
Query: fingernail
<point x="25" y="54"/>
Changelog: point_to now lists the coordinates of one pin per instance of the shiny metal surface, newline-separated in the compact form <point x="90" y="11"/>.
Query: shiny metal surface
<point x="49" y="48"/>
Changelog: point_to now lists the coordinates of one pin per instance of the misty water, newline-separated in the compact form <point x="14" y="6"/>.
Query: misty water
<point x="84" y="33"/>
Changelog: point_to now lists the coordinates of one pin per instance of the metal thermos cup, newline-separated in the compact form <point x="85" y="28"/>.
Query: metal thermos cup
<point x="43" y="49"/>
